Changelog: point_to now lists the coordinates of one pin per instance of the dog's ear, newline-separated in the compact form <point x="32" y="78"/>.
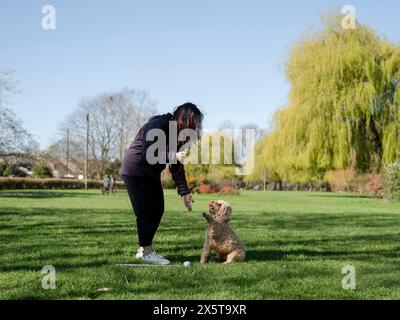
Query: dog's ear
<point x="225" y="211"/>
<point x="213" y="206"/>
<point x="228" y="213"/>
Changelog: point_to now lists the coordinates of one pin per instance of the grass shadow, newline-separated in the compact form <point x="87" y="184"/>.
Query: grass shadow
<point x="264" y="255"/>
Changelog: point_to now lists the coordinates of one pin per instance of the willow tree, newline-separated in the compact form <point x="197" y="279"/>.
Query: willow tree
<point x="343" y="105"/>
<point x="213" y="157"/>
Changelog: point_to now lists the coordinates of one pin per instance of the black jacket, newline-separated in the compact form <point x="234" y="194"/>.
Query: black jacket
<point x="136" y="164"/>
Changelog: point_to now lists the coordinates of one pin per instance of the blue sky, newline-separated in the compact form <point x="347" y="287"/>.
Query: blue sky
<point x="226" y="56"/>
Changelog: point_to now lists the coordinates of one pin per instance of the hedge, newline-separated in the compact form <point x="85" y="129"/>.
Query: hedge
<point x="57" y="184"/>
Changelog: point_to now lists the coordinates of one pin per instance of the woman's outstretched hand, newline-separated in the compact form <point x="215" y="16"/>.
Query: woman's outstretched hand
<point x="187" y="201"/>
<point x="181" y="156"/>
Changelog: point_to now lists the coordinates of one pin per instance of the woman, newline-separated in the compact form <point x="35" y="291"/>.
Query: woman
<point x="143" y="179"/>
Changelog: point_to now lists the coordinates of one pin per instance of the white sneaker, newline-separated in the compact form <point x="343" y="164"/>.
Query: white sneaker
<point x="155" y="258"/>
<point x="139" y="254"/>
<point x="152" y="258"/>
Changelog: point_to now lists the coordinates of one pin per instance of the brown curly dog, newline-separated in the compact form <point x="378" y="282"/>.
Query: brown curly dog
<point x="220" y="237"/>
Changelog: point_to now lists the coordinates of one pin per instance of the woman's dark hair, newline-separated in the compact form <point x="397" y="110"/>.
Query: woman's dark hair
<point x="189" y="116"/>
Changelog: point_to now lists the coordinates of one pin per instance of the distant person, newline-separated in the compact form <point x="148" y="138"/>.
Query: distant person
<point x="143" y="180"/>
<point x="112" y="184"/>
<point x="105" y="188"/>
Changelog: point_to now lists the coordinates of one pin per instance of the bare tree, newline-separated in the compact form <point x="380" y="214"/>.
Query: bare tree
<point x="115" y="118"/>
<point x="132" y="108"/>
<point x="227" y="125"/>
<point x="8" y="85"/>
<point x="14" y="139"/>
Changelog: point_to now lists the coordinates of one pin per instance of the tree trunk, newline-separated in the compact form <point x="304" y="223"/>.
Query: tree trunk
<point x="377" y="141"/>
<point x="265" y="181"/>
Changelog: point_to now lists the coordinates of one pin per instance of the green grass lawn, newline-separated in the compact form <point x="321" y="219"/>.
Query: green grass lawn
<point x="297" y="244"/>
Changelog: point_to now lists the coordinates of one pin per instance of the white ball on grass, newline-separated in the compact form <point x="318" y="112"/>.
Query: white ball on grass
<point x="187" y="264"/>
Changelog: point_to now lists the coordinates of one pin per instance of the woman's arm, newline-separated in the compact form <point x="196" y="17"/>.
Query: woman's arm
<point x="178" y="175"/>
<point x="153" y="124"/>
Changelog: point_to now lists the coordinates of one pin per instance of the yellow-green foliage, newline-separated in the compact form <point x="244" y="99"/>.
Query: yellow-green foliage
<point x="214" y="155"/>
<point x="343" y="106"/>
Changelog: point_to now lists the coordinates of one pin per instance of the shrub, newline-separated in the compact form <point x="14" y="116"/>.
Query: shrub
<point x="347" y="180"/>
<point x="2" y="168"/>
<point x="376" y="186"/>
<point x="194" y="183"/>
<point x="14" y="171"/>
<point x="203" y="185"/>
<point x="360" y="183"/>
<point x="207" y="188"/>
<point x="113" y="168"/>
<point x="57" y="184"/>
<point x="228" y="190"/>
<point x="393" y="180"/>
<point x="42" y="171"/>
<point x="340" y="180"/>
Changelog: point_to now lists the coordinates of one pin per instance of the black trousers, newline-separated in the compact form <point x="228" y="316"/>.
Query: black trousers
<point x="147" y="199"/>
